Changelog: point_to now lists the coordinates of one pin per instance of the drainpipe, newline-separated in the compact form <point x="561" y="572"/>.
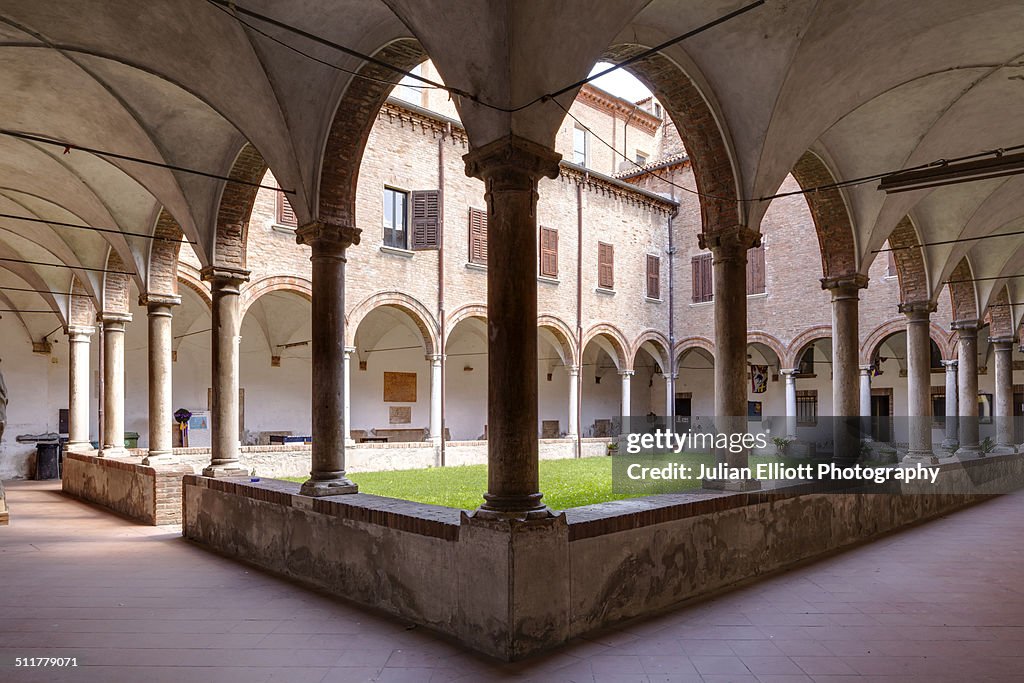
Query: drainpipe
<point x="440" y="277"/>
<point x="101" y="388"/>
<point x="671" y="305"/>
<point x="579" y="314"/>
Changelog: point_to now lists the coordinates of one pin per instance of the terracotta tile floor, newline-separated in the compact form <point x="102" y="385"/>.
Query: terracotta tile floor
<point x="940" y="602"/>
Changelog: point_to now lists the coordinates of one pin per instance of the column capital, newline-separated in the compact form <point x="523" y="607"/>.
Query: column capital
<point x="627" y="373"/>
<point x="917" y="310"/>
<point x="113" y="318"/>
<point x="729" y="242"/>
<point x="150" y="300"/>
<point x="73" y="331"/>
<point x="573" y="370"/>
<point x="435" y="357"/>
<point x="1003" y="343"/>
<point x="670" y="375"/>
<point x="845" y="286"/>
<point x="966" y="328"/>
<point x="349" y="350"/>
<point x="512" y="163"/>
<point x="327" y="234"/>
<point x="789" y="373"/>
<point x="950" y="365"/>
<point x="867" y="369"/>
<point x="224" y="277"/>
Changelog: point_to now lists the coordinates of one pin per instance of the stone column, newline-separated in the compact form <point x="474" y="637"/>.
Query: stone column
<point x="574" y="389"/>
<point x="627" y="377"/>
<point x="919" y="382"/>
<point x="1004" y="395"/>
<point x="670" y="396"/>
<point x="951" y="442"/>
<point x="159" y="310"/>
<point x="511" y="168"/>
<point x="113" y="382"/>
<point x="967" y="378"/>
<point x="347" y="369"/>
<point x="865" y="402"/>
<point x="790" y="378"/>
<point x="78" y="387"/>
<point x="225" y="284"/>
<point x="729" y="262"/>
<point x="845" y="353"/>
<point x="435" y="397"/>
<point x="330" y="427"/>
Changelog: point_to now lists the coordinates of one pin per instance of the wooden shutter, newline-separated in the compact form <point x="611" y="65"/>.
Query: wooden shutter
<point x="605" y="266"/>
<point x="653" y="276"/>
<point x="703" y="287"/>
<point x="426" y="218"/>
<point x="478" y="236"/>
<point x="285" y="215"/>
<point x="755" y="270"/>
<point x="549" y="252"/>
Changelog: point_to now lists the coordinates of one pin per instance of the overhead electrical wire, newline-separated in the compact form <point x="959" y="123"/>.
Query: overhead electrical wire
<point x="1015" y="233"/>
<point x="43" y="291"/>
<point x="71" y="146"/>
<point x="64" y="265"/>
<point x="12" y="216"/>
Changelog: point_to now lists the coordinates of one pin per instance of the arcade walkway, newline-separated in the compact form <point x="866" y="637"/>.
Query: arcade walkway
<point x="941" y="602"/>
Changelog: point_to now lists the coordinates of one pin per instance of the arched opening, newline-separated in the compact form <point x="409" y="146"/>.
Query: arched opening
<point x="602" y="374"/>
<point x="889" y="397"/>
<point x="695" y="386"/>
<point x="466" y="379"/>
<point x="190" y="363"/>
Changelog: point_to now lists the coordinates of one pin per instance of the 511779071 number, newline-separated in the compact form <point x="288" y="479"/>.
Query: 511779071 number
<point x="45" y="661"/>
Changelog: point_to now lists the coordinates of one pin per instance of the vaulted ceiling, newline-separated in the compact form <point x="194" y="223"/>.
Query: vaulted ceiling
<point x="867" y="85"/>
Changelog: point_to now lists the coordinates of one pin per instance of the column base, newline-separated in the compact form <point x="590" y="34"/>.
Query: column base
<point x="509" y="507"/>
<point x="231" y="469"/>
<point x="78" y="446"/>
<point x="1004" y="450"/>
<point x="159" y="458"/>
<point x="509" y="515"/>
<point x="967" y="453"/>
<point x="950" y="445"/>
<point x="331" y="487"/>
<point x="113" y="452"/>
<point x="919" y="458"/>
<point x="731" y="484"/>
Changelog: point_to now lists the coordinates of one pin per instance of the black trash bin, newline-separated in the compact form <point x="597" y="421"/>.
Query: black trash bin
<point x="47" y="454"/>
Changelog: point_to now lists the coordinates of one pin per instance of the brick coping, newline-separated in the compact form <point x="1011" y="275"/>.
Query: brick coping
<point x="288" y="448"/>
<point x="133" y="462"/>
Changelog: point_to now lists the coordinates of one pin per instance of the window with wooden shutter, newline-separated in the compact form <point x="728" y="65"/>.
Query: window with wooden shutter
<point x="702" y="279"/>
<point x="605" y="266"/>
<point x="548" y="252"/>
<point x="653" y="276"/>
<point x="478" y="237"/>
<point x="426" y="219"/>
<point x="285" y="215"/>
<point x="755" y="270"/>
<point x="396" y="232"/>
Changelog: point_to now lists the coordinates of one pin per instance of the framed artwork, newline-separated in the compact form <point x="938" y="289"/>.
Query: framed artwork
<point x="754" y="411"/>
<point x="400" y="387"/>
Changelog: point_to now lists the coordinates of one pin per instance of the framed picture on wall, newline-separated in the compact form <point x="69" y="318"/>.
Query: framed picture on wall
<point x="754" y="411"/>
<point x="985" y="408"/>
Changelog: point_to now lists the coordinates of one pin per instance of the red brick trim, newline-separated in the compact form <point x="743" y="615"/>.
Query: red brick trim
<point x="562" y="333"/>
<point x="659" y="341"/>
<point x="252" y="291"/>
<point x="909" y="263"/>
<point x="684" y="346"/>
<point x="961" y="294"/>
<point x="945" y="341"/>
<point x="163" y="256"/>
<point x="771" y="341"/>
<point x="803" y="340"/>
<point x="831" y="217"/>
<point x="116" y="287"/>
<point x="1000" y="315"/>
<point x="235" y="208"/>
<point x="417" y="312"/>
<point x="612" y="336"/>
<point x="189" y="276"/>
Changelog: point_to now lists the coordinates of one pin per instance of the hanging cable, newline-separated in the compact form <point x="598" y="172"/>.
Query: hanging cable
<point x="12" y="216"/>
<point x="70" y="146"/>
<point x="956" y="241"/>
<point x="41" y="310"/>
<point x="42" y="291"/>
<point x="64" y="265"/>
<point x="982" y="279"/>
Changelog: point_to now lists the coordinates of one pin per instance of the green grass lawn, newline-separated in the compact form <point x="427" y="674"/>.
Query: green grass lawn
<point x="564" y="483"/>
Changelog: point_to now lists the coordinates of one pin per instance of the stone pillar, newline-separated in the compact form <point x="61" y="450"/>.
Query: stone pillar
<point x="951" y="441"/>
<point x="967" y="378"/>
<point x="845" y="353"/>
<point x="729" y="248"/>
<point x="670" y="396"/>
<point x="865" y="402"/>
<point x="330" y="427"/>
<point x="113" y="383"/>
<point x="574" y="389"/>
<point x="78" y="387"/>
<point x="919" y="383"/>
<point x="225" y="284"/>
<point x="1004" y="395"/>
<point x="161" y="339"/>
<point x="347" y="369"/>
<point x="511" y="168"/>
<point x="790" y="378"/>
<point x="435" y="397"/>
<point x="627" y="380"/>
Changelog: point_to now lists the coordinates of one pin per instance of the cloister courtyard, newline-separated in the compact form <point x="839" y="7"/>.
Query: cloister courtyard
<point x="411" y="340"/>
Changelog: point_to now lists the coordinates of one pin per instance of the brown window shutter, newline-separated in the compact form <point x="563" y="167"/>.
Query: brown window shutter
<point x="478" y="236"/>
<point x="605" y="266"/>
<point x="285" y="215"/>
<point x="703" y="287"/>
<point x="755" y="270"/>
<point x="548" y="252"/>
<point x="426" y="215"/>
<point x="653" y="277"/>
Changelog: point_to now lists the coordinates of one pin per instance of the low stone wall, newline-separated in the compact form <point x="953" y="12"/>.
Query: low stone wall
<point x="511" y="588"/>
<point x="151" y="495"/>
<point x="4" y="515"/>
